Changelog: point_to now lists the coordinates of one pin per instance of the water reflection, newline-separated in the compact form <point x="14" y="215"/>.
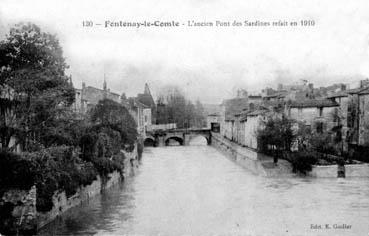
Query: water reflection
<point x="195" y="190"/>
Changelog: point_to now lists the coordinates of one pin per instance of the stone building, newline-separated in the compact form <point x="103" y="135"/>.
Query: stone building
<point x="251" y="122"/>
<point x="147" y="99"/>
<point x="342" y="99"/>
<point x="230" y="108"/>
<point x="358" y="116"/>
<point x="213" y="122"/>
<point x="319" y="114"/>
<point x="333" y="110"/>
<point x="89" y="96"/>
<point x="140" y="113"/>
<point x="141" y="109"/>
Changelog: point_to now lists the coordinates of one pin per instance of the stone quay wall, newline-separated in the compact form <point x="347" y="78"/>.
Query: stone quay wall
<point x="23" y="217"/>
<point x="331" y="171"/>
<point x="243" y="156"/>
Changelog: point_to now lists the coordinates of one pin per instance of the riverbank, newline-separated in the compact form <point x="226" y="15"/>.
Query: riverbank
<point x="250" y="159"/>
<point x="23" y="216"/>
<point x="196" y="190"/>
<point x="263" y="165"/>
<point x="61" y="203"/>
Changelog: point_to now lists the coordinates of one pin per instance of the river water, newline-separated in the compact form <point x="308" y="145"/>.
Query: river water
<point x="196" y="190"/>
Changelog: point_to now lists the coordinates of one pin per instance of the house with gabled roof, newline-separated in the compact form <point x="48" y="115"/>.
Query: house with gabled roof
<point x="358" y="116"/>
<point x="316" y="113"/>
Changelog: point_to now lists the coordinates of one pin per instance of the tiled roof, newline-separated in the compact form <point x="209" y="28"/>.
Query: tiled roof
<point x="254" y="96"/>
<point x="338" y="94"/>
<point x="273" y="103"/>
<point x="146" y="99"/>
<point x="133" y="101"/>
<point x="278" y="94"/>
<point x="258" y="112"/>
<point x="364" y="90"/>
<point x="313" y="103"/>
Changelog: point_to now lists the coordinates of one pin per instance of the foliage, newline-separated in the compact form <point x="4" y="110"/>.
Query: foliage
<point x="328" y="142"/>
<point x="174" y="107"/>
<point x="302" y="162"/>
<point x="67" y="131"/>
<point x="62" y="152"/>
<point x="322" y="143"/>
<point x="113" y="116"/>
<point x="32" y="68"/>
<point x="15" y="172"/>
<point x="276" y="135"/>
<point x="58" y="168"/>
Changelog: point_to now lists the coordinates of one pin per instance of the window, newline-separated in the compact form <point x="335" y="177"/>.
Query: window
<point x="320" y="111"/>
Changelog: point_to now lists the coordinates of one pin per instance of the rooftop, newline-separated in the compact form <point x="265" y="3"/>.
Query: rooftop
<point x="360" y="91"/>
<point x="313" y="103"/>
<point x="338" y="94"/>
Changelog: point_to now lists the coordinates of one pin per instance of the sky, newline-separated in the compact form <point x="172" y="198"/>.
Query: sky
<point x="207" y="63"/>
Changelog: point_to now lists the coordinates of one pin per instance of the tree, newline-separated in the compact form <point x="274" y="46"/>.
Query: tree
<point x="276" y="136"/>
<point x="199" y="114"/>
<point x="109" y="116"/>
<point x="174" y="107"/>
<point x="32" y="66"/>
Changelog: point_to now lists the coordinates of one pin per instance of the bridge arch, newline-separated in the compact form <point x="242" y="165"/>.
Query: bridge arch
<point x="195" y="136"/>
<point x="149" y="141"/>
<point x="176" y="138"/>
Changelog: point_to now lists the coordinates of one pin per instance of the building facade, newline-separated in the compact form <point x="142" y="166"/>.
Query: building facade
<point x="89" y="96"/>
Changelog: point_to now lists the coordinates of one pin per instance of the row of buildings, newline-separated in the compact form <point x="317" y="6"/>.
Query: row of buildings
<point x="334" y="109"/>
<point x="142" y="107"/>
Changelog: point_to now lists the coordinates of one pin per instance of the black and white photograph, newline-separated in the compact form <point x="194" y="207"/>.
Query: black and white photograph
<point x="184" y="117"/>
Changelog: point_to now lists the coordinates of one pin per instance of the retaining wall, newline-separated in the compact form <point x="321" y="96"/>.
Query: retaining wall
<point x="23" y="217"/>
<point x="357" y="170"/>
<point x="61" y="203"/>
<point x="18" y="212"/>
<point x="244" y="156"/>
<point x="330" y="171"/>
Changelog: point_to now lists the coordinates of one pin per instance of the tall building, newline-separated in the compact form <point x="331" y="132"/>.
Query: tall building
<point x="89" y="96"/>
<point x="147" y="99"/>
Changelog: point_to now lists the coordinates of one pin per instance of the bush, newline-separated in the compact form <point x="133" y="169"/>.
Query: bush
<point x="106" y="166"/>
<point x="15" y="171"/>
<point x="302" y="162"/>
<point x="58" y="168"/>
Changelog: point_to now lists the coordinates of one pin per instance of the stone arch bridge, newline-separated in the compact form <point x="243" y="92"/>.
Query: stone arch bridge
<point x="160" y="138"/>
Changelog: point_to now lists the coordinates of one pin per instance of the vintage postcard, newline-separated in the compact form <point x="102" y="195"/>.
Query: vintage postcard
<point x="191" y="117"/>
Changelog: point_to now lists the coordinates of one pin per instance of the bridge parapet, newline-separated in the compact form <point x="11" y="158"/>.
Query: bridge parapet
<point x="183" y="136"/>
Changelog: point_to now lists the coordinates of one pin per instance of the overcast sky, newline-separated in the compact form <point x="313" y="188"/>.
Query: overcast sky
<point x="208" y="63"/>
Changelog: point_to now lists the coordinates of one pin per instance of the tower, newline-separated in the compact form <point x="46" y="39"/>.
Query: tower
<point x="105" y="88"/>
<point x="104" y="84"/>
<point x="147" y="90"/>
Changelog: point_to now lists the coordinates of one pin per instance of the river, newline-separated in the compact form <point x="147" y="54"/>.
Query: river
<point x="196" y="190"/>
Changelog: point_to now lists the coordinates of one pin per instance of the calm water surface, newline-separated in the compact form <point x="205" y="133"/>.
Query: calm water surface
<point x="195" y="190"/>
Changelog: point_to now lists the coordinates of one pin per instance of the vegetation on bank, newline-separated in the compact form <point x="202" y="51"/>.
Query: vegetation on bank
<point x="61" y="151"/>
<point x="284" y="138"/>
